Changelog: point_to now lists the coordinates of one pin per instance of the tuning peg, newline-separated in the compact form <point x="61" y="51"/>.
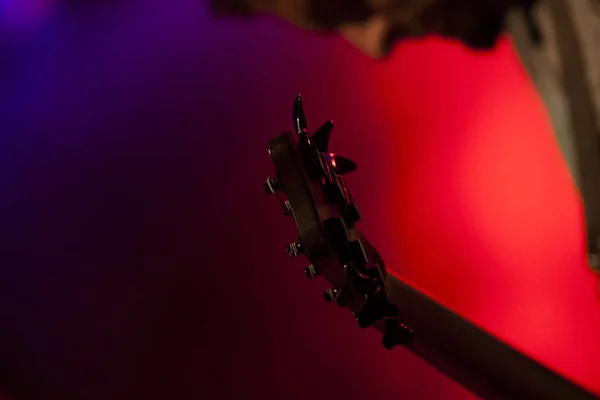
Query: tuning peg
<point x="311" y="272"/>
<point x="342" y="165"/>
<point x="331" y="294"/>
<point x="375" y="308"/>
<point x="321" y="136"/>
<point x="350" y="213"/>
<point x="358" y="254"/>
<point x="396" y="334"/>
<point x="286" y="209"/>
<point x="294" y="249"/>
<point x="298" y="115"/>
<point x="342" y="297"/>
<point x="271" y="185"/>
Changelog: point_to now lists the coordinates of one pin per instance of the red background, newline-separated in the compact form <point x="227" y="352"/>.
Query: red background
<point x="142" y="260"/>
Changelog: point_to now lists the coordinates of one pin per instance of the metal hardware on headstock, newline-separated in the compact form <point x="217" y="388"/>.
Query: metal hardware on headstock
<point x="294" y="249"/>
<point x="311" y="187"/>
<point x="271" y="185"/>
<point x="311" y="271"/>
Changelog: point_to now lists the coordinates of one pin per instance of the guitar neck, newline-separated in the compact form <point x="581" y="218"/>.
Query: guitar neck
<point x="471" y="356"/>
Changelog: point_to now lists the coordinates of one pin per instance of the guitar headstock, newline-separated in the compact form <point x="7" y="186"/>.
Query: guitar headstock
<point x="310" y="184"/>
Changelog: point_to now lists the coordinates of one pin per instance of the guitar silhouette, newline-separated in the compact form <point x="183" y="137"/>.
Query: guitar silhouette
<point x="309" y="184"/>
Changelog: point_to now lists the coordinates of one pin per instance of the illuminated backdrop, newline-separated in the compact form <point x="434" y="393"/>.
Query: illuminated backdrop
<point x="141" y="259"/>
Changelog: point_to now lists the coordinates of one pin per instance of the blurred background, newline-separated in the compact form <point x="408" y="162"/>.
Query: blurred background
<point x="140" y="257"/>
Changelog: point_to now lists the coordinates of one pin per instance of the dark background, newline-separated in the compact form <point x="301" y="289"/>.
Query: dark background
<point x="141" y="259"/>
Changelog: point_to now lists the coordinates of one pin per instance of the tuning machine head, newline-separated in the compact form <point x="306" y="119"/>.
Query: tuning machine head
<point x="375" y="307"/>
<point x="311" y="271"/>
<point x="294" y="249"/>
<point x="396" y="334"/>
<point x="271" y="186"/>
<point x="341" y="296"/>
<point x="341" y="165"/>
<point x="330" y="295"/>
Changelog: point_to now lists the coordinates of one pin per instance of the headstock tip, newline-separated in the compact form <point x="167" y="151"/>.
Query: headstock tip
<point x="298" y="115"/>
